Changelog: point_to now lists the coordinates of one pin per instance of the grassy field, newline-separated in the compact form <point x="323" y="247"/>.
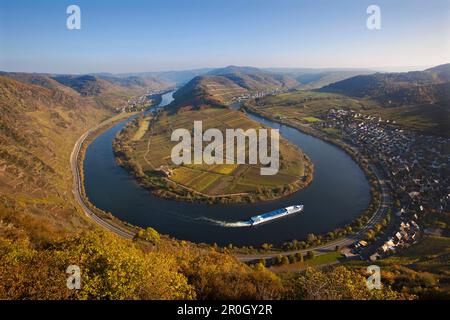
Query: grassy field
<point x="324" y="259"/>
<point x="142" y="129"/>
<point x="153" y="151"/>
<point x="433" y="118"/>
<point x="431" y="254"/>
<point x="311" y="119"/>
<point x="306" y="107"/>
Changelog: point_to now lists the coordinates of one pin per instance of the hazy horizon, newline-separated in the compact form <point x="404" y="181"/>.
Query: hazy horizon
<point x="391" y="69"/>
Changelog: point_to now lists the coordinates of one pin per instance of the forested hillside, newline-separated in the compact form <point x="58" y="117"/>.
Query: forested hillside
<point x="431" y="86"/>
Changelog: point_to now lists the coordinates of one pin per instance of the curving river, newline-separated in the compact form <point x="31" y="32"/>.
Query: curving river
<point x="338" y="194"/>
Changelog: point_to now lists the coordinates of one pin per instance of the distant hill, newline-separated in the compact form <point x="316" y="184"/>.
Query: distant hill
<point x="398" y="89"/>
<point x="43" y="80"/>
<point x="255" y="79"/>
<point x="207" y="90"/>
<point x="309" y="78"/>
<point x="319" y="80"/>
<point x="441" y="72"/>
<point x="137" y="82"/>
<point x="107" y="90"/>
<point x="235" y="69"/>
<point x="314" y="78"/>
<point x="86" y="85"/>
<point x="89" y="85"/>
<point x="175" y="77"/>
<point x="220" y="86"/>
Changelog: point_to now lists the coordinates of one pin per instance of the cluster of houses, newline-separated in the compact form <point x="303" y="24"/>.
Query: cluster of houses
<point x="406" y="235"/>
<point x="415" y="165"/>
<point x="139" y="103"/>
<point x="258" y="95"/>
<point x="164" y="171"/>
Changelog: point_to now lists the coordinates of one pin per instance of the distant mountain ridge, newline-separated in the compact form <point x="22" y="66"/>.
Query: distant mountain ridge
<point x="206" y="90"/>
<point x="179" y="78"/>
<point x="251" y="78"/>
<point x="111" y="91"/>
<point x="235" y="69"/>
<point x="220" y="86"/>
<point x="89" y="85"/>
<point x="397" y="89"/>
<point x="314" y="78"/>
<point x="309" y="78"/>
<point x="86" y="85"/>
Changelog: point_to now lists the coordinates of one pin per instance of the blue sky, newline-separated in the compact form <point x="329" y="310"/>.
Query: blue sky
<point x="131" y="36"/>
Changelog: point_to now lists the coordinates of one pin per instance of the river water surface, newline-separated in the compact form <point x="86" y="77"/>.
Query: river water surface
<point x="338" y="194"/>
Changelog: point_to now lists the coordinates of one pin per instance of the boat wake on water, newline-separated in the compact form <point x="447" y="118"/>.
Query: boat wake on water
<point x="227" y="224"/>
<point x="259" y="219"/>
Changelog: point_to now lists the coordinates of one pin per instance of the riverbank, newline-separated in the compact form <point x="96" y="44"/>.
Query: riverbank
<point x="329" y="246"/>
<point x="104" y="219"/>
<point x="377" y="209"/>
<point x="351" y="151"/>
<point x="335" y="197"/>
<point x="145" y="158"/>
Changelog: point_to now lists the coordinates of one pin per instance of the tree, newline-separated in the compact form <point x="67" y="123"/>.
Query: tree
<point x="216" y="276"/>
<point x="278" y="259"/>
<point x="284" y="260"/>
<point x="311" y="237"/>
<point x="310" y="255"/>
<point x="292" y="258"/>
<point x="149" y="234"/>
<point x="336" y="284"/>
<point x="111" y="268"/>
<point x="370" y="234"/>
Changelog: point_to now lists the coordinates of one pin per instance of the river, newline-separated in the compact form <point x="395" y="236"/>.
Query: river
<point x="338" y="194"/>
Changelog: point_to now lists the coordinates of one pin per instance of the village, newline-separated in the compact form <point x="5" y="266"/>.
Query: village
<point x="416" y="167"/>
<point x="142" y="102"/>
<point x="259" y="94"/>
